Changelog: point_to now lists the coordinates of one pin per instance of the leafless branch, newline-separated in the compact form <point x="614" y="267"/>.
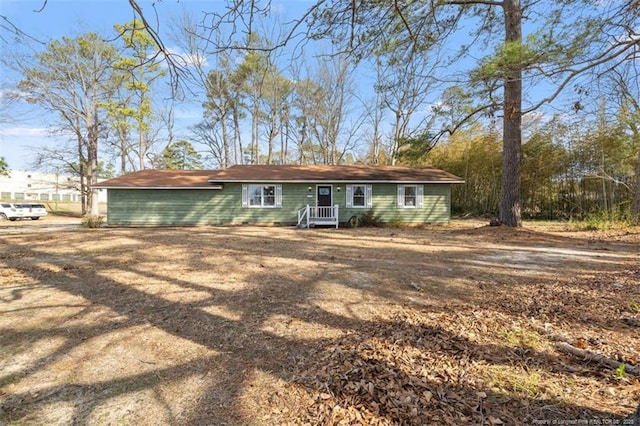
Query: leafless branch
<point x="174" y="62"/>
<point x="9" y="26"/>
<point x="615" y="54"/>
<point x="44" y="4"/>
<point x="474" y="2"/>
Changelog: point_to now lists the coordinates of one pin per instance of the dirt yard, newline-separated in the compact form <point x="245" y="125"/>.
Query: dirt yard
<point x="458" y="324"/>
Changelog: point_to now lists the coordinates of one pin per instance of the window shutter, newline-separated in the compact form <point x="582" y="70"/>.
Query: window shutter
<point x="245" y="196"/>
<point x="368" y="201"/>
<point x="349" y="196"/>
<point x="420" y="196"/>
<point x="400" y="196"/>
<point x="278" y="195"/>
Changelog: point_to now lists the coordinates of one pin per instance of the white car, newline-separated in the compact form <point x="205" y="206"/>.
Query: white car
<point x="34" y="211"/>
<point x="22" y="211"/>
<point x="11" y="211"/>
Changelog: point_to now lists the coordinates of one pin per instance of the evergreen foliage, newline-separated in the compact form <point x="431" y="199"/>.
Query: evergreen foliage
<point x="4" y="167"/>
<point x="180" y="155"/>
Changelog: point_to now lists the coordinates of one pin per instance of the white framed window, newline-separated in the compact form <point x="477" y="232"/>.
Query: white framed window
<point x="359" y="196"/>
<point x="410" y="196"/>
<point x="259" y="195"/>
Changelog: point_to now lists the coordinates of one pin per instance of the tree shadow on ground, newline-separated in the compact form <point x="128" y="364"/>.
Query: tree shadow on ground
<point x="330" y="353"/>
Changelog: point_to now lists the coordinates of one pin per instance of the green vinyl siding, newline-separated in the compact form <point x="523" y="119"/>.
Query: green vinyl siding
<point x="133" y="207"/>
<point x="436" y="205"/>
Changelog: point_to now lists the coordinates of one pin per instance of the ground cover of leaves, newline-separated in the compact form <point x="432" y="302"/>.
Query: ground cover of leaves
<point x="452" y="324"/>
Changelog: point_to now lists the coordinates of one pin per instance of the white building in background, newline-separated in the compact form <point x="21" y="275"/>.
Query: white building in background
<point x="44" y="187"/>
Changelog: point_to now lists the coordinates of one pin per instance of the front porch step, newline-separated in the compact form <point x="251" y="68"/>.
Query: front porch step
<point x="313" y="216"/>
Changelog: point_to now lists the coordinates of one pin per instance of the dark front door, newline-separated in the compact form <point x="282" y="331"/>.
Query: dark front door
<point x="324" y="198"/>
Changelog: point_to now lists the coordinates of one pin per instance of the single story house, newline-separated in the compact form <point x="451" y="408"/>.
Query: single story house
<point x="282" y="195"/>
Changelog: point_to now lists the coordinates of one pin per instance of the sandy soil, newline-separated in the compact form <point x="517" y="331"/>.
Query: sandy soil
<point x="454" y="324"/>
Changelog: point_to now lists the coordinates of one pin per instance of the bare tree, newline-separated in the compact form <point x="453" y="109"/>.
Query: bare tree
<point x="220" y="88"/>
<point x="327" y="123"/>
<point x="276" y="91"/>
<point x="374" y="115"/>
<point x="72" y="78"/>
<point x="208" y="134"/>
<point x="405" y="83"/>
<point x="218" y="110"/>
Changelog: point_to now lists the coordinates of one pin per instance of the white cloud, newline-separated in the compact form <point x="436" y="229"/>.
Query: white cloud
<point x="187" y="59"/>
<point x="26" y="132"/>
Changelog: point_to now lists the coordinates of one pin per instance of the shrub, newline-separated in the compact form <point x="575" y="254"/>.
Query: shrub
<point x="370" y="219"/>
<point x="601" y="221"/>
<point x="92" y="221"/>
<point x="396" y="222"/>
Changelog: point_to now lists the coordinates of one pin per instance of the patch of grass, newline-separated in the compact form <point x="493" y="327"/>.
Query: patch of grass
<point x="513" y="380"/>
<point x="61" y="208"/>
<point x="603" y="221"/>
<point x="519" y="338"/>
<point x="69" y="208"/>
<point x="65" y="213"/>
<point x="620" y="372"/>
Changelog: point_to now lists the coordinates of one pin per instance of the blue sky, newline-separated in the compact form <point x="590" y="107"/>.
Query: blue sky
<point x="27" y="127"/>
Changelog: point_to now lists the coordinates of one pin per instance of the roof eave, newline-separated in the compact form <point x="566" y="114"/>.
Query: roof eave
<point x="213" y="187"/>
<point x="330" y="181"/>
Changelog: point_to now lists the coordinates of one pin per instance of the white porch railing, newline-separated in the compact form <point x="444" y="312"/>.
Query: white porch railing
<point x="303" y="217"/>
<point x="313" y="215"/>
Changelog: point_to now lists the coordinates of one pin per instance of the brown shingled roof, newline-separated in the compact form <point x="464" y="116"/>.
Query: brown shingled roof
<point x="160" y="179"/>
<point x="262" y="173"/>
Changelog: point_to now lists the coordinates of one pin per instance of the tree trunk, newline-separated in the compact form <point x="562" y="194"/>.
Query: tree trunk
<point x="273" y="133"/>
<point x="254" y="131"/>
<point x="141" y="145"/>
<point x="285" y="143"/>
<point x="282" y="142"/>
<point x="92" y="153"/>
<point x="123" y="154"/>
<point x="123" y="137"/>
<point x="635" y="212"/>
<point x="303" y="140"/>
<point x="82" y="170"/>
<point x="225" y="140"/>
<point x="396" y="139"/>
<point x="238" y="138"/>
<point x="510" y="211"/>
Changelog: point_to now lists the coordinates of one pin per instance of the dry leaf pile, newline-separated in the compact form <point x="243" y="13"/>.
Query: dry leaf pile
<point x="404" y="371"/>
<point x="464" y="365"/>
